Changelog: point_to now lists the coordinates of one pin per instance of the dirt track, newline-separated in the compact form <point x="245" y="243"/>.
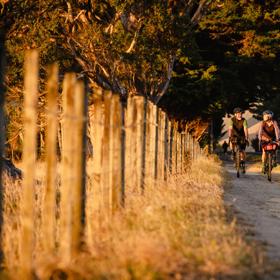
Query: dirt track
<point x="257" y="203"/>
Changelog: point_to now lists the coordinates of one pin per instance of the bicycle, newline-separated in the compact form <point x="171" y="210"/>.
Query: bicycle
<point x="270" y="155"/>
<point x="238" y="148"/>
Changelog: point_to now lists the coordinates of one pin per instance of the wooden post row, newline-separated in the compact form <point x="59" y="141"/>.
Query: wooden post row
<point x="162" y="145"/>
<point x="106" y="157"/>
<point x="2" y="140"/>
<point x="176" y="148"/>
<point x="160" y="156"/>
<point x="147" y="169"/>
<point x="29" y="157"/>
<point x="166" y="147"/>
<point x="67" y="175"/>
<point x="49" y="207"/>
<point x="157" y="143"/>
<point x="79" y="167"/>
<point x="73" y="167"/>
<point x="129" y="144"/>
<point x="144" y="146"/>
<point x="140" y="115"/>
<point x="117" y="193"/>
<point x="153" y="141"/>
<point x="181" y="152"/>
<point x="171" y="140"/>
<point x="133" y="143"/>
<point x="95" y="198"/>
<point x="123" y="153"/>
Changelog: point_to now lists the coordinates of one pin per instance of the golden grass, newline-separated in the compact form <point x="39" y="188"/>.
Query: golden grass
<point x="177" y="230"/>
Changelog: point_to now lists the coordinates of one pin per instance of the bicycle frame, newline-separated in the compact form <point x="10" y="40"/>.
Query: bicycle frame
<point x="270" y="150"/>
<point x="237" y="151"/>
<point x="237" y="160"/>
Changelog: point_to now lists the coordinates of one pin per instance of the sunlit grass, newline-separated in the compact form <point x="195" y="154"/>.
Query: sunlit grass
<point x="176" y="230"/>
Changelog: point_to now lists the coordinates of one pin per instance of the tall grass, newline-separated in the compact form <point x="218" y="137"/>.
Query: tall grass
<point x="177" y="230"/>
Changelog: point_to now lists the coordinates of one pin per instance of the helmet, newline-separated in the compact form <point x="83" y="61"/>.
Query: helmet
<point x="268" y="112"/>
<point x="237" y="110"/>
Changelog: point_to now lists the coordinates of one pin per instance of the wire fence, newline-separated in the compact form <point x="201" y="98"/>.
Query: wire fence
<point x="131" y="146"/>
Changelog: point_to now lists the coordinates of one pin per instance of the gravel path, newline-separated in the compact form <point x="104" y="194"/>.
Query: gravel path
<point x="257" y="203"/>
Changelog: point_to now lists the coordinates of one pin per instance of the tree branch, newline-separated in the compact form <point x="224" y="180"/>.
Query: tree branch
<point x="166" y="85"/>
<point x="133" y="42"/>
<point x="199" y="11"/>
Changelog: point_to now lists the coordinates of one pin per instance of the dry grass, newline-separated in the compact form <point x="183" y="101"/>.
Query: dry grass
<point x="177" y="230"/>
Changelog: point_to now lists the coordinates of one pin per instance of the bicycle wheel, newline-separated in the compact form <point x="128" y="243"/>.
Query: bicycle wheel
<point x="243" y="167"/>
<point x="237" y="162"/>
<point x="269" y="166"/>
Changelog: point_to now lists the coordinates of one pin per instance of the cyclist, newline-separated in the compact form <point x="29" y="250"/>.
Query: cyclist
<point x="268" y="131"/>
<point x="238" y="134"/>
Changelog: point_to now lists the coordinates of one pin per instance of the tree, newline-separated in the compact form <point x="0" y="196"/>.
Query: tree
<point x="237" y="63"/>
<point x="129" y="47"/>
<point x="244" y="40"/>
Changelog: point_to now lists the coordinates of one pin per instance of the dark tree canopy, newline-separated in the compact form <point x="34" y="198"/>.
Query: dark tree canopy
<point x="198" y="58"/>
<point x="238" y="62"/>
<point x="128" y="46"/>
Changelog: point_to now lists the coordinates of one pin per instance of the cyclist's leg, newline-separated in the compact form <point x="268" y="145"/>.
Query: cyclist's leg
<point x="274" y="159"/>
<point x="263" y="160"/>
<point x="242" y="146"/>
<point x="242" y="157"/>
<point x="233" y="149"/>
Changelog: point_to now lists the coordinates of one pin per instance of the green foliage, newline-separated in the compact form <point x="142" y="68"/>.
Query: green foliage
<point x="237" y="65"/>
<point x="125" y="46"/>
<point x="230" y="58"/>
<point x="97" y="37"/>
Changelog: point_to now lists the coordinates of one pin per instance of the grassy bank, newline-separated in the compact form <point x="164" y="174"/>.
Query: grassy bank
<point x="175" y="231"/>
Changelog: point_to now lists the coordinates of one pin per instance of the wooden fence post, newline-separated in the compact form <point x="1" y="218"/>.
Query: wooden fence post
<point x="175" y="149"/>
<point x="149" y="145"/>
<point x="94" y="192"/>
<point x="133" y="115"/>
<point x="49" y="208"/>
<point x="190" y="146"/>
<point x="29" y="158"/>
<point x="144" y="152"/>
<point x="66" y="190"/>
<point x="117" y="195"/>
<point x="157" y="143"/>
<point x="182" y="151"/>
<point x="160" y="157"/>
<point x="154" y="141"/>
<point x="123" y="152"/>
<point x="94" y="201"/>
<point x="78" y="183"/>
<point x="106" y="156"/>
<point x="171" y="147"/>
<point x="139" y="138"/>
<point x="178" y="144"/>
<point x="2" y="137"/>
<point x="129" y="143"/>
<point x="166" y="147"/>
